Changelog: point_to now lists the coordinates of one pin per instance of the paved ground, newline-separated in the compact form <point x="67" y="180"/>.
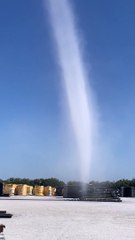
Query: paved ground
<point x="42" y="219"/>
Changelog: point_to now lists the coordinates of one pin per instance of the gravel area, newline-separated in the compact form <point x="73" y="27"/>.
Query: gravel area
<point x="55" y="219"/>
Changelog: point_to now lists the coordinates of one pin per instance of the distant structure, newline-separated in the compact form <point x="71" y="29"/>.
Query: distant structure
<point x="2" y="194"/>
<point x="1" y="188"/>
<point x="127" y="191"/>
<point x="89" y="193"/>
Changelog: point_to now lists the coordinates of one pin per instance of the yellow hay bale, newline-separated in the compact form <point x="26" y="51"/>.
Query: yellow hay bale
<point x="38" y="190"/>
<point x="9" y="189"/>
<point x="53" y="191"/>
<point x="29" y="190"/>
<point x="21" y="189"/>
<point x="48" y="191"/>
<point x="5" y="188"/>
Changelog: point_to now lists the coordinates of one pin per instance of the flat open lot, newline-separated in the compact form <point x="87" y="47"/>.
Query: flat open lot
<point x="42" y="219"/>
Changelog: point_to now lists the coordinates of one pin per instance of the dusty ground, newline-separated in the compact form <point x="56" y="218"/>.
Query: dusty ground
<point x="42" y="219"/>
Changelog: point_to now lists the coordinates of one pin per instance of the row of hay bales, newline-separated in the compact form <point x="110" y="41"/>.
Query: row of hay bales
<point x="25" y="190"/>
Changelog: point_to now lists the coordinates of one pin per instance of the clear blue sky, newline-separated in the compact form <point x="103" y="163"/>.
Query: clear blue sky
<point x="32" y="125"/>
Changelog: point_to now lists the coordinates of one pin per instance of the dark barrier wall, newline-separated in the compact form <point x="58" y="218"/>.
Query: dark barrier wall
<point x="88" y="191"/>
<point x="59" y="191"/>
<point x="72" y="191"/>
<point x="1" y="188"/>
<point x="128" y="191"/>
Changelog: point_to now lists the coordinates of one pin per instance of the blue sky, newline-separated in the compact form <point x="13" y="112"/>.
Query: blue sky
<point x="34" y="140"/>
